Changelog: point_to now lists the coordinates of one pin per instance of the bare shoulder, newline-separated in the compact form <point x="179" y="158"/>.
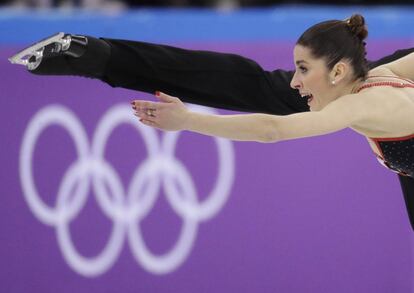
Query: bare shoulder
<point x="384" y="111"/>
<point x="380" y="100"/>
<point x="353" y="104"/>
<point x="381" y="71"/>
<point x="368" y="106"/>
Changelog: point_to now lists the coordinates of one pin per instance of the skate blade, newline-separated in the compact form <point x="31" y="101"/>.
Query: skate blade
<point x="23" y="56"/>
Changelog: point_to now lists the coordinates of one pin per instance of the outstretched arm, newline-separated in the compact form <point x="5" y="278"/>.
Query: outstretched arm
<point x="403" y="67"/>
<point x="171" y="114"/>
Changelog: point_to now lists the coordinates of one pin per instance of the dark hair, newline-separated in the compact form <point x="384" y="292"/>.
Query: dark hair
<point x="339" y="39"/>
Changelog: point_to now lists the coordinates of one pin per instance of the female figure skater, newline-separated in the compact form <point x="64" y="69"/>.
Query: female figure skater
<point x="207" y="78"/>
<point x="332" y="72"/>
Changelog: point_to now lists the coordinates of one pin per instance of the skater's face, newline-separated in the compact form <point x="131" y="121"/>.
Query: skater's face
<point x="311" y="78"/>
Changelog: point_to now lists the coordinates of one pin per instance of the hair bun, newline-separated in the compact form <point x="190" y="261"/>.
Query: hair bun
<point x="356" y="24"/>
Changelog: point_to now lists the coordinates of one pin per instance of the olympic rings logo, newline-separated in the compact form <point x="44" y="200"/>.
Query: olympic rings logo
<point x="125" y="207"/>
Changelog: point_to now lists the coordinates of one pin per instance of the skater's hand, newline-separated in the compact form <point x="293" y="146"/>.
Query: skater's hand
<point x="168" y="114"/>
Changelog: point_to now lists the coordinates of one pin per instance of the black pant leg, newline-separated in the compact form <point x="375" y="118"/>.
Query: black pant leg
<point x="214" y="79"/>
<point x="407" y="186"/>
<point x="207" y="78"/>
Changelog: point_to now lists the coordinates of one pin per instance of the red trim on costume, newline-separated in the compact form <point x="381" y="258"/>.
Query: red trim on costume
<point x="391" y="76"/>
<point x="387" y="83"/>
<point x="376" y="139"/>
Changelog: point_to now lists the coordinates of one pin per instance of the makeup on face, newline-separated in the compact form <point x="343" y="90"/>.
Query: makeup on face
<point x="310" y="77"/>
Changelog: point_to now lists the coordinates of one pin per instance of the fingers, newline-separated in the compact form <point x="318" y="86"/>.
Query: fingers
<point x="147" y="119"/>
<point x="165" y="98"/>
<point x="143" y="105"/>
<point x="148" y="111"/>
<point x="147" y="114"/>
<point x="149" y="123"/>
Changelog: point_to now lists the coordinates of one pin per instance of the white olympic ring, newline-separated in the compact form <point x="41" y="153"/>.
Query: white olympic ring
<point x="159" y="169"/>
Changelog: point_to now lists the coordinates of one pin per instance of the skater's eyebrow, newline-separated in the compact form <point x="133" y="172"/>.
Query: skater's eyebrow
<point x="298" y="62"/>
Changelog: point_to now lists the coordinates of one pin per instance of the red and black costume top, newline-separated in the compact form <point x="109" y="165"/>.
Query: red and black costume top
<point x="396" y="153"/>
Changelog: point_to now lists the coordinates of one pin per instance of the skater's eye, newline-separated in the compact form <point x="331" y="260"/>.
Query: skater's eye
<point x="303" y="69"/>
